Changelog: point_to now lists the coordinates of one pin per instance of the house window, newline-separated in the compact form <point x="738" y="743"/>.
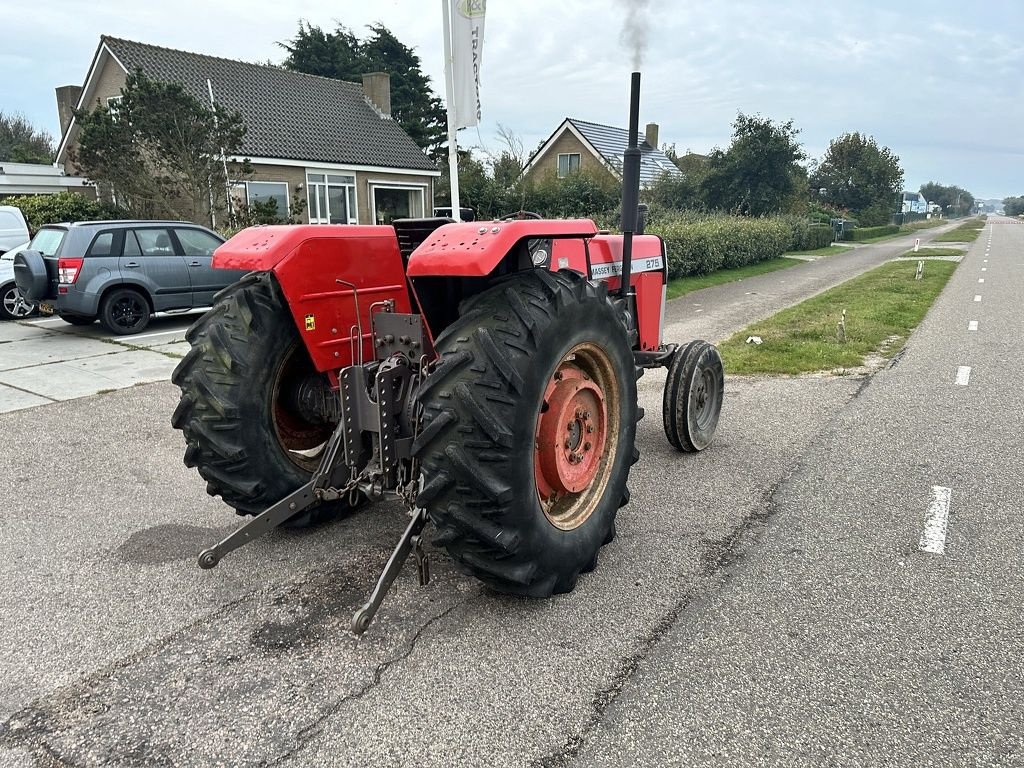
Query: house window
<point x="332" y="198"/>
<point x="567" y="163"/>
<point x="267" y="193"/>
<point x="396" y="201"/>
<point x="114" y="106"/>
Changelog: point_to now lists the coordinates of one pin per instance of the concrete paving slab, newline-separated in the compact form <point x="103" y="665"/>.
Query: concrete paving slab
<point x="178" y="348"/>
<point x="58" y="348"/>
<point x="78" y="378"/>
<point x="17" y="332"/>
<point x="12" y="399"/>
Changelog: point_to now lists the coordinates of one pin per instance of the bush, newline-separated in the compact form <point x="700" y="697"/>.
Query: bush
<point x="866" y="233"/>
<point x="807" y="236"/>
<point x="63" y="206"/>
<point x="697" y="245"/>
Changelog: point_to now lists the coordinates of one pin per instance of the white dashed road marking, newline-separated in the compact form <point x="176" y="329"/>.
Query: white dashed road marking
<point x="984" y="269"/>
<point x="933" y="539"/>
<point x="981" y="279"/>
<point x="972" y="325"/>
<point x="963" y="375"/>
<point x="977" y="298"/>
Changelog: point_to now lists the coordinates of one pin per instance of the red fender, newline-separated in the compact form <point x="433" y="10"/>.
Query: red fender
<point x="475" y="249"/>
<point x="307" y="262"/>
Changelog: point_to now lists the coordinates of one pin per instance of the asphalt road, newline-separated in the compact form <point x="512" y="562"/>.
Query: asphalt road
<point x="764" y="601"/>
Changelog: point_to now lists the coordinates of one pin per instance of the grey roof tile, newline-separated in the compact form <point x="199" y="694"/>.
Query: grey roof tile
<point x="612" y="143"/>
<point x="289" y="115"/>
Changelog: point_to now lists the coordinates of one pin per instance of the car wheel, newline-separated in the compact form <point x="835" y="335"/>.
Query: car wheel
<point x="13" y="305"/>
<point x="124" y="311"/>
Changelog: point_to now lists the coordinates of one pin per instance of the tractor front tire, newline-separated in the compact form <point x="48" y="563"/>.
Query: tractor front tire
<point x="242" y="436"/>
<point x="692" y="400"/>
<point x="529" y="431"/>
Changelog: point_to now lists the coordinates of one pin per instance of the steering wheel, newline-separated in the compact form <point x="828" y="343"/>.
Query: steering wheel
<point x="520" y="215"/>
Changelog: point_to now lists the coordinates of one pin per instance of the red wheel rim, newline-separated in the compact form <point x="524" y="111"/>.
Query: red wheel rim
<point x="575" y="436"/>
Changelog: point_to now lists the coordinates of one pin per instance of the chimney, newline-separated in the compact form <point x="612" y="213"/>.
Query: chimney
<point x="67" y="100"/>
<point x="377" y="89"/>
<point x="652" y="134"/>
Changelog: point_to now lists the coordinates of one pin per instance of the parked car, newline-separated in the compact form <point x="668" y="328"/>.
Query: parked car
<point x="13" y="229"/>
<point x="13" y="304"/>
<point x="121" y="272"/>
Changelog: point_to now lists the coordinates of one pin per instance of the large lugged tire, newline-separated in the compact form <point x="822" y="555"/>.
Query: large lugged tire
<point x="534" y="395"/>
<point x="241" y="434"/>
<point x="692" y="400"/>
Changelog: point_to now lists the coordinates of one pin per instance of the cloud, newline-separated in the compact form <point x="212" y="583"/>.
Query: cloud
<point x="930" y="85"/>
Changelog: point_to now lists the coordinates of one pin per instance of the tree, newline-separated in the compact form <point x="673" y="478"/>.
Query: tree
<point x="341" y="55"/>
<point x="1014" y="206"/>
<point x="861" y="176"/>
<point x="953" y="199"/>
<point x="760" y="172"/>
<point x="158" y="151"/>
<point x="21" y="143"/>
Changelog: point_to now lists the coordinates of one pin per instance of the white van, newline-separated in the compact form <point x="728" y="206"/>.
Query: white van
<point x="13" y="229"/>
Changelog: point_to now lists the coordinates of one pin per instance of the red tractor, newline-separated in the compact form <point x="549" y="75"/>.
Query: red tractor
<point x="483" y="373"/>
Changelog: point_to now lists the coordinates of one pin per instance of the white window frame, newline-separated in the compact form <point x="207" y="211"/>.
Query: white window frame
<point x="396" y="185"/>
<point x="568" y="163"/>
<point x="352" y="188"/>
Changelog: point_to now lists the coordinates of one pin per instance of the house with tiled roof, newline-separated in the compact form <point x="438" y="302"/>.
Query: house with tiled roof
<point x="580" y="145"/>
<point x="330" y="143"/>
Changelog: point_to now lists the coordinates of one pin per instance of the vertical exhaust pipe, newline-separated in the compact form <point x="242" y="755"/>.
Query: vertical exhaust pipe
<point x="630" y="186"/>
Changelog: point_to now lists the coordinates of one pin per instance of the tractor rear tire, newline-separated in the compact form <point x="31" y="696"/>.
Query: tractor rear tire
<point x="239" y="432"/>
<point x="534" y="346"/>
<point x="692" y="400"/>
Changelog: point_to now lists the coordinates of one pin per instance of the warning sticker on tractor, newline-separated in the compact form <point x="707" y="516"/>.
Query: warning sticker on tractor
<point x="614" y="268"/>
<point x="310" y="322"/>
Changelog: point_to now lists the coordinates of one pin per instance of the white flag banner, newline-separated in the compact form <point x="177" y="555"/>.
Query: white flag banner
<point x="467" y="48"/>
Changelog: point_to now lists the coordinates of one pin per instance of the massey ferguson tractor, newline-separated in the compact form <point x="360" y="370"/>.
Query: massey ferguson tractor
<point x="482" y="373"/>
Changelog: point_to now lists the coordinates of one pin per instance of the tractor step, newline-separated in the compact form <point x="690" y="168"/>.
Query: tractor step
<point x="409" y="543"/>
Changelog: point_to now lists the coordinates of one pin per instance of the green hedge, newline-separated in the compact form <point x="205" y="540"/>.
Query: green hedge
<point x="866" y="233"/>
<point x="807" y="236"/>
<point x="699" y="245"/>
<point x="63" y="206"/>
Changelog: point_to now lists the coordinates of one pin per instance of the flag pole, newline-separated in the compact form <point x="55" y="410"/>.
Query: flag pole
<point x="449" y="87"/>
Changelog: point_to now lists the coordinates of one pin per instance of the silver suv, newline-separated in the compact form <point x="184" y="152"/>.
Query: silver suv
<point x="121" y="271"/>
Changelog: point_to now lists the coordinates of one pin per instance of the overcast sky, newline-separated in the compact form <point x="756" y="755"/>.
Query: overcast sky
<point x="941" y="83"/>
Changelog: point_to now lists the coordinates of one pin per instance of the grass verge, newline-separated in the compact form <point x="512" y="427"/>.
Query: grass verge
<point x="965" y="233"/>
<point x="935" y="252"/>
<point x="882" y="307"/>
<point x="684" y="285"/>
<point x="828" y="250"/>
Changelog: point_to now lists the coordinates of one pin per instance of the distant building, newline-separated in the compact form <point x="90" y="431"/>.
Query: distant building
<point x="914" y="202"/>
<point x="579" y="145"/>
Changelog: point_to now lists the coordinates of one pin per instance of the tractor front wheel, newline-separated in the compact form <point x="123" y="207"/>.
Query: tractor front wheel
<point x="692" y="401"/>
<point x="244" y="422"/>
<point x="529" y="432"/>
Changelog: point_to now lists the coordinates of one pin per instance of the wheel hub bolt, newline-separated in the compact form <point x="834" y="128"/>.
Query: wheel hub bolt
<point x="590" y="428"/>
<point x="586" y="446"/>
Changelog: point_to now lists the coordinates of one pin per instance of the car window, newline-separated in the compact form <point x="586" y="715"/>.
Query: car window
<point x="155" y="242"/>
<point x="103" y="245"/>
<point x="47" y="241"/>
<point x="195" y="242"/>
<point x="131" y="244"/>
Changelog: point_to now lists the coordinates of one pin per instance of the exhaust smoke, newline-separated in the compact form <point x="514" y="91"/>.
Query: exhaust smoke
<point x="634" y="30"/>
